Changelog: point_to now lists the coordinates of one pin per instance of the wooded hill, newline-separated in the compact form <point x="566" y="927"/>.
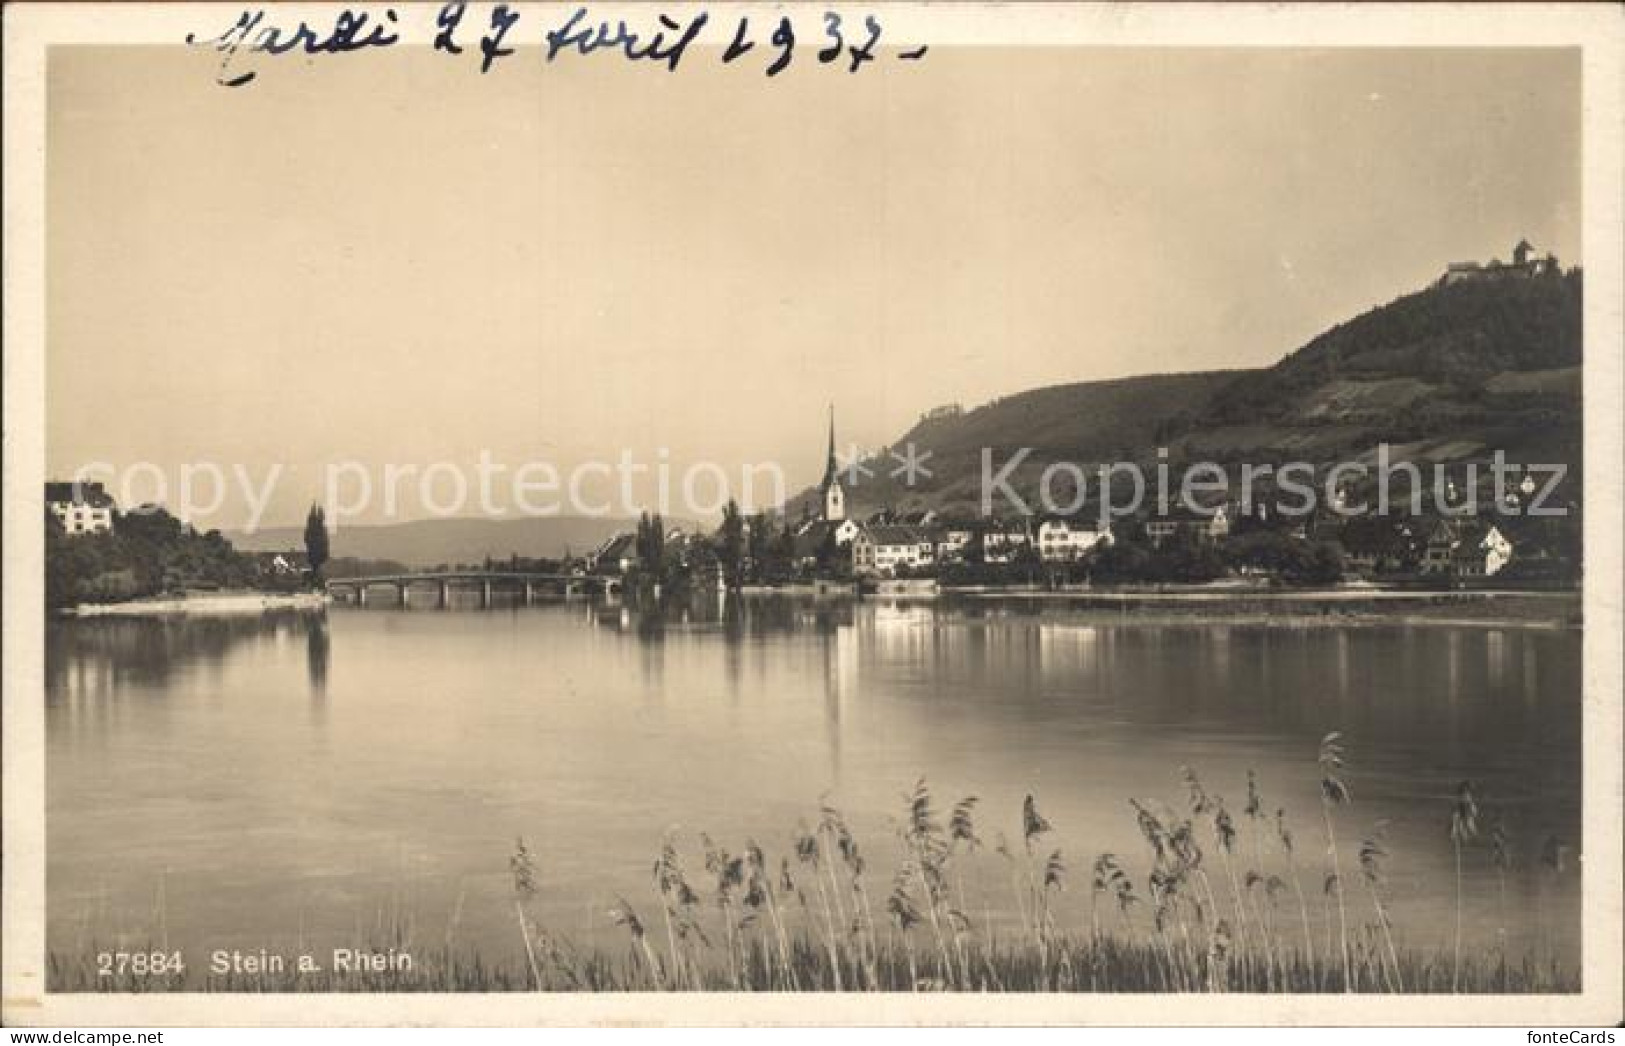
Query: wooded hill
<point x="1447" y="374"/>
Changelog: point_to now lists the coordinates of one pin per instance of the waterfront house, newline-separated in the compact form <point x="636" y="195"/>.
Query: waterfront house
<point x="954" y="542"/>
<point x="1482" y="552"/>
<point x="1465" y="548"/>
<point x="1003" y="540"/>
<point x="292" y="563"/>
<point x="1063" y="540"/>
<point x="1378" y="545"/>
<point x="82" y="508"/>
<point x="880" y="550"/>
<point x="1205" y="524"/>
<point x="816" y="536"/>
<point x="617" y="555"/>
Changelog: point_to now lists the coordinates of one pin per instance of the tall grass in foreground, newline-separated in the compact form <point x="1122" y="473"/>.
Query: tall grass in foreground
<point x="810" y="921"/>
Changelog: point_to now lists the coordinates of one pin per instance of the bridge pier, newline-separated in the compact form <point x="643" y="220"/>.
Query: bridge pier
<point x="485" y="594"/>
<point x="444" y="599"/>
<point x="530" y="593"/>
<point x="400" y="591"/>
<point x="361" y="595"/>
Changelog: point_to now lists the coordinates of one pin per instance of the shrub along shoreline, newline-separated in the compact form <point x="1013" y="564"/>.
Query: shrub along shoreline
<point x="1220" y="902"/>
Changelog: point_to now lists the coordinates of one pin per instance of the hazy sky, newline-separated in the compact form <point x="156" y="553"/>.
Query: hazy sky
<point x="391" y="259"/>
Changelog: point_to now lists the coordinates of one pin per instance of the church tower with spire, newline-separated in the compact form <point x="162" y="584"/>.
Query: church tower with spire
<point x="834" y="509"/>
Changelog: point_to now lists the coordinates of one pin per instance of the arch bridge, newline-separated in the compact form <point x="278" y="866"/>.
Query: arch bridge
<point x="444" y="582"/>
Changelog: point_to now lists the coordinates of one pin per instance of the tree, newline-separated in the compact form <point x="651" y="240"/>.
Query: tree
<point x="316" y="541"/>
<point x="651" y="545"/>
<point x="731" y="537"/>
<point x="1123" y="561"/>
<point x="782" y="556"/>
<point x="145" y="553"/>
<point x="1323" y="565"/>
<point x="1187" y="558"/>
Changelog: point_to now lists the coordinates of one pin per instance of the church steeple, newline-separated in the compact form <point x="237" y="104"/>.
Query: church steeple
<point x="834" y="495"/>
<point x="829" y="464"/>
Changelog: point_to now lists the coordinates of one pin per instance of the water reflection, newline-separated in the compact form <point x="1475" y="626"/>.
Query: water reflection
<point x="318" y="651"/>
<point x="1461" y="689"/>
<point x="431" y="740"/>
<point x="98" y="657"/>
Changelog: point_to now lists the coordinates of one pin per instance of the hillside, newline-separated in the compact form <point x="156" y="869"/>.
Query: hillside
<point x="422" y="543"/>
<point x="1446" y="374"/>
<point x="1086" y="421"/>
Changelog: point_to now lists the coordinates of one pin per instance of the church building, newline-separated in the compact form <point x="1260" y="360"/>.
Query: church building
<point x="830" y="528"/>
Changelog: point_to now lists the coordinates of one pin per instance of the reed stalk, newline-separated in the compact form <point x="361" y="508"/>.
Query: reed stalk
<point x="1333" y="792"/>
<point x="1463" y="829"/>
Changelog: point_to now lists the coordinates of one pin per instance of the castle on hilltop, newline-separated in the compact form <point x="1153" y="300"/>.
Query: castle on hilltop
<point x="1523" y="266"/>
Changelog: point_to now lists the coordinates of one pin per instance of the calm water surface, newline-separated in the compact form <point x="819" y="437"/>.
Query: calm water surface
<point x="312" y="781"/>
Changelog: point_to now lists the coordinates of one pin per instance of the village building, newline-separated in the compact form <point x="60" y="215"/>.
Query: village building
<point x="292" y="563"/>
<point x="1520" y="495"/>
<point x="1206" y="525"/>
<point x="1064" y="540"/>
<point x="1004" y="540"/>
<point x="82" y="508"/>
<point x="880" y="550"/>
<point x="1325" y="527"/>
<point x="917" y="518"/>
<point x="954" y="542"/>
<point x="814" y="538"/>
<point x="1377" y="545"/>
<point x="1465" y="548"/>
<point x="617" y="555"/>
<point x="687" y="551"/>
<point x="1542" y="551"/>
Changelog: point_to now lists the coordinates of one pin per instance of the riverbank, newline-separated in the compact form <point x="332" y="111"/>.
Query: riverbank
<point x="203" y="604"/>
<point x="896" y="961"/>
<point x="1352" y="605"/>
<point x="830" y="589"/>
<point x="821" y="916"/>
<point x="1505" y="608"/>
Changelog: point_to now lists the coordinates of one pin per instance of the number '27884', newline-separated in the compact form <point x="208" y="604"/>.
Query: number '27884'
<point x="139" y="964"/>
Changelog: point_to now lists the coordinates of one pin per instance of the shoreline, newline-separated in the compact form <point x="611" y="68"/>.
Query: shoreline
<point x="203" y="605"/>
<point x="1505" y="608"/>
<point x="1555" y="611"/>
<point x="1306" y="621"/>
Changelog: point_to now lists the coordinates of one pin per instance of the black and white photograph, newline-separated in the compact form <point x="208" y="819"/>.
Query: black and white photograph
<point x="1011" y="513"/>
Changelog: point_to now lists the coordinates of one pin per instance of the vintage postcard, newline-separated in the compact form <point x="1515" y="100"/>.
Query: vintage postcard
<point x="812" y="514"/>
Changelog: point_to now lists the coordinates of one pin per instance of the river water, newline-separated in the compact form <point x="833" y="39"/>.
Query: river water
<point x="294" y="781"/>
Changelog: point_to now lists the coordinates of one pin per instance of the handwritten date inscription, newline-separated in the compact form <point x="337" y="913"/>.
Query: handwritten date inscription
<point x="660" y="40"/>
